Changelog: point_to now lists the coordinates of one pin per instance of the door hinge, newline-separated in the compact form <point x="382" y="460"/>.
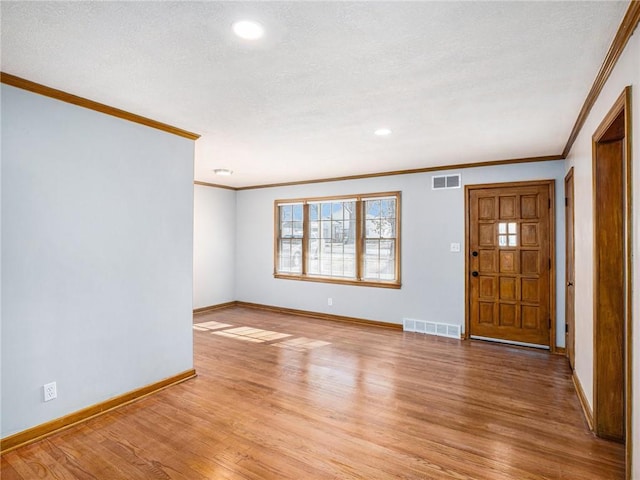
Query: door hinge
<point x="566" y="328"/>
<point x="566" y="201"/>
<point x="549" y="203"/>
<point x="549" y="263"/>
<point x="549" y="324"/>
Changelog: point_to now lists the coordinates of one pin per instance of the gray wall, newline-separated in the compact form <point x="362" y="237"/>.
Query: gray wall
<point x="214" y="246"/>
<point x="432" y="277"/>
<point x="97" y="222"/>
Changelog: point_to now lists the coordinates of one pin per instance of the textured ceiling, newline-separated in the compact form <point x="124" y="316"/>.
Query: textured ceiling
<point x="456" y="82"/>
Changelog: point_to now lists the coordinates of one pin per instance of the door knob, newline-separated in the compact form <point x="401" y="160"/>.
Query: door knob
<point x="475" y="254"/>
<point x="475" y="274"/>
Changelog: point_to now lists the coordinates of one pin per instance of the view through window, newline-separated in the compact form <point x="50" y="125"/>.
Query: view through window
<point x="350" y="239"/>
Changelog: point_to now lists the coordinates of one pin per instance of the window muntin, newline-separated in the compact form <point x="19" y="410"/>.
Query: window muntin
<point x="353" y="240"/>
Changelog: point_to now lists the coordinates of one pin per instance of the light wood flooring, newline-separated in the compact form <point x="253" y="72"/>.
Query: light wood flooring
<point x="328" y="400"/>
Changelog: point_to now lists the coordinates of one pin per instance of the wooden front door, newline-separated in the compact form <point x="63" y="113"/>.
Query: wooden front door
<point x="509" y="232"/>
<point x="570" y="269"/>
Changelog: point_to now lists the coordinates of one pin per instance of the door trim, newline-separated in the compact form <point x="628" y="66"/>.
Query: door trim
<point x="622" y="103"/>
<point x="552" y="252"/>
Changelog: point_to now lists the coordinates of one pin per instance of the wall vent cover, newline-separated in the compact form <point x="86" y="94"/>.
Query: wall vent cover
<point x="431" y="328"/>
<point x="439" y="182"/>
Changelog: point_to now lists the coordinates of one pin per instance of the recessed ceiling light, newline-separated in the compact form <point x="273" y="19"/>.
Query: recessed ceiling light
<point x="382" y="132"/>
<point x="248" y="30"/>
<point x="223" y="171"/>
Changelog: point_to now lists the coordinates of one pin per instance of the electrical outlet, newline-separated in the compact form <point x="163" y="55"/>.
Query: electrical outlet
<point x="329" y="301"/>
<point x="50" y="391"/>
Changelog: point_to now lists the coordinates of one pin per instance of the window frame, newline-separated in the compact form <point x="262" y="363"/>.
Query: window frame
<point x="360" y="249"/>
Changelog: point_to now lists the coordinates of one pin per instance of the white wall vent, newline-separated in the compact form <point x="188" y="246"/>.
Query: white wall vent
<point x="431" y="328"/>
<point x="439" y="182"/>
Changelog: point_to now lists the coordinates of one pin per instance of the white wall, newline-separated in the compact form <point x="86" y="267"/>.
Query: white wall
<point x="214" y="246"/>
<point x="432" y="277"/>
<point x="626" y="72"/>
<point x="97" y="249"/>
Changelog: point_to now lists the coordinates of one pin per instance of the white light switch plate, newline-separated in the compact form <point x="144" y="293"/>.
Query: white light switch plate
<point x="455" y="247"/>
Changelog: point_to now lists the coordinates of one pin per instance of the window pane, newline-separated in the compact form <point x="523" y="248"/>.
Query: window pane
<point x="379" y="261"/>
<point x="314" y="229"/>
<point x="387" y="260"/>
<point x="373" y="229"/>
<point x="349" y="229"/>
<point x="325" y="210"/>
<point x="297" y="229"/>
<point x="314" y="210"/>
<point x="512" y="241"/>
<point x="372" y="208"/>
<point x="502" y="240"/>
<point x="372" y="259"/>
<point x="349" y="263"/>
<point x="388" y="207"/>
<point x="512" y="228"/>
<point x="388" y="227"/>
<point x="502" y="228"/>
<point x="285" y="213"/>
<point x="287" y="230"/>
<point x="313" y="252"/>
<point x="325" y="229"/>
<point x="290" y="258"/>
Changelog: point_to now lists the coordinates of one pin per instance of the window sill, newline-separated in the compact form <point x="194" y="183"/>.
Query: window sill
<point x="340" y="281"/>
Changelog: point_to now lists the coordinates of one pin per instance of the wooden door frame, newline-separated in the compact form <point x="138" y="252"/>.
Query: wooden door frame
<point x="552" y="251"/>
<point x="568" y="176"/>
<point x="622" y="104"/>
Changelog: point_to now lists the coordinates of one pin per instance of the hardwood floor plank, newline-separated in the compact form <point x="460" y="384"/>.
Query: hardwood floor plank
<point x="9" y="473"/>
<point x="17" y="466"/>
<point x="72" y="447"/>
<point x="332" y="400"/>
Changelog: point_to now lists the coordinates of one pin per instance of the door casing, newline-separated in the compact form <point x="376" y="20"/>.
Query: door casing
<point x="610" y="129"/>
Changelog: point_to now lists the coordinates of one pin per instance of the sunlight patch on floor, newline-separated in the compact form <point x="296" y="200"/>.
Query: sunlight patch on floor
<point x="204" y="326"/>
<point x="258" y="335"/>
<point x="301" y="344"/>
<point x="252" y="334"/>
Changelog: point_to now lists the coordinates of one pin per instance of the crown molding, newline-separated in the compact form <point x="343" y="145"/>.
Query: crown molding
<point x="213" y="185"/>
<point x="30" y="86"/>
<point x="625" y="30"/>
<point x="437" y="168"/>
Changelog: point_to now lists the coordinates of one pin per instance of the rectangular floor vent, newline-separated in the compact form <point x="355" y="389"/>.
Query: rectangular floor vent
<point x="431" y="328"/>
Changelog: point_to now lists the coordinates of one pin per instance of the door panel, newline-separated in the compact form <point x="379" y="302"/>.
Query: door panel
<point x="570" y="270"/>
<point x="509" y="277"/>
<point x="609" y="291"/>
